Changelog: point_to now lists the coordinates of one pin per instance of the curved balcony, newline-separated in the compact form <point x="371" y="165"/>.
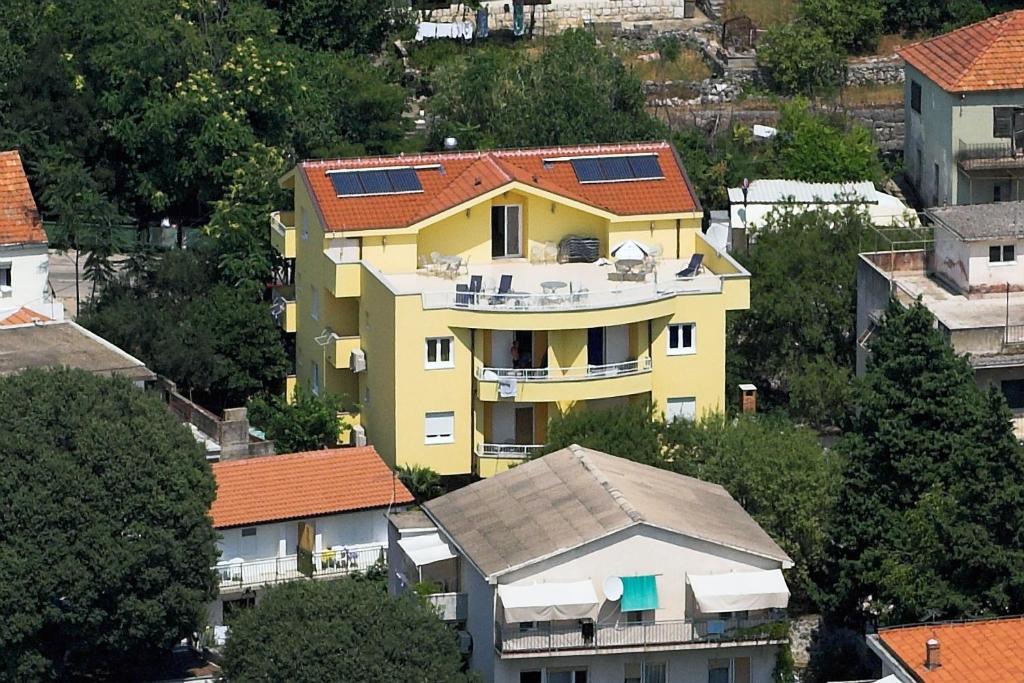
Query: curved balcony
<point x="579" y="383"/>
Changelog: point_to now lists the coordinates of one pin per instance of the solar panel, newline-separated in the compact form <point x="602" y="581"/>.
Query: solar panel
<point x="588" y="170"/>
<point x="616" y="168"/>
<point x="375" y="182"/>
<point x="404" y="180"/>
<point x="645" y="167"/>
<point x="346" y="184"/>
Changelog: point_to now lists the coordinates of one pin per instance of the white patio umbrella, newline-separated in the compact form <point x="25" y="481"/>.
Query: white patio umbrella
<point x="631" y="250"/>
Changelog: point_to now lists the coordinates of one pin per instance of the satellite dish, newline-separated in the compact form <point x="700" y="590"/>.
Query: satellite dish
<point x="613" y="588"/>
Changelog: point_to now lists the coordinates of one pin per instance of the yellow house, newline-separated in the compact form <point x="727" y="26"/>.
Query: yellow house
<point x="460" y="300"/>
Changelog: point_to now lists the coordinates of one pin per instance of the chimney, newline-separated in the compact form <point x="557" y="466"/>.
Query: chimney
<point x="932" y="655"/>
<point x="748" y="398"/>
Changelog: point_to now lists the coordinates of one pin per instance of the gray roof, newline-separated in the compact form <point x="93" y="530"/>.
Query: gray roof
<point x="577" y="495"/>
<point x="779" y="191"/>
<point x="410" y="519"/>
<point x="981" y="221"/>
<point x="60" y="344"/>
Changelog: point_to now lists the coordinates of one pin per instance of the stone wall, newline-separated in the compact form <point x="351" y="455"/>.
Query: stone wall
<point x="874" y="71"/>
<point x="564" y="14"/>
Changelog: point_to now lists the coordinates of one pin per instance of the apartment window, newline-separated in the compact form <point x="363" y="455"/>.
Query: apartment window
<point x="682" y="339"/>
<point x="439" y="353"/>
<point x="997" y="193"/>
<point x="1002" y="121"/>
<point x="646" y="672"/>
<point x="1001" y="253"/>
<point x="439" y="427"/>
<point x="915" y="96"/>
<point x="640" y="616"/>
<point x="681" y="408"/>
<point x="506" y="230"/>
<point x="1013" y="390"/>
<point x="5" y="279"/>
<point x="530" y="677"/>
<point x="248" y="542"/>
<point x="314" y="381"/>
<point x="314" y="302"/>
<point x="567" y="676"/>
<point x="718" y="671"/>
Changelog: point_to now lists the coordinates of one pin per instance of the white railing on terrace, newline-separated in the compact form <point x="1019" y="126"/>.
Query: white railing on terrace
<point x="581" y="372"/>
<point x="507" y="450"/>
<point x="510" y="638"/>
<point x="277" y="225"/>
<point x="626" y="295"/>
<point x="238" y="574"/>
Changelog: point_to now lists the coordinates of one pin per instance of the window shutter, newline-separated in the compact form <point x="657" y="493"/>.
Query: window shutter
<point x="1002" y="122"/>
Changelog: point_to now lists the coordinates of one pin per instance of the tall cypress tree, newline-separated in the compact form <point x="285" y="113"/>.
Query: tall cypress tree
<point x="930" y="517"/>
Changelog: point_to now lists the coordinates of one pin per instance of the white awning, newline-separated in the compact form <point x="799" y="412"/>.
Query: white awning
<point x="425" y="549"/>
<point x="549" y="601"/>
<point x="740" y="591"/>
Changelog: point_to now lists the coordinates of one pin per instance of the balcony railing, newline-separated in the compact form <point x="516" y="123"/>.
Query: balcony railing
<point x="239" y="574"/>
<point x="627" y="295"/>
<point x="511" y="639"/>
<point x="582" y="372"/>
<point x="508" y="450"/>
<point x="986" y="154"/>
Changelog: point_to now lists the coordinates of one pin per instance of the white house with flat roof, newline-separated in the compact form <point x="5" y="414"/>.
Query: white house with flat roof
<point x="581" y="567"/>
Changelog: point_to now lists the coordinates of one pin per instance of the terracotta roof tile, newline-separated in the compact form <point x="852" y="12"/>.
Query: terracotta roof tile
<point x="988" y="55"/>
<point x="297" y="485"/>
<point x="982" y="651"/>
<point x="19" y="217"/>
<point x="461" y="176"/>
<point x="23" y="316"/>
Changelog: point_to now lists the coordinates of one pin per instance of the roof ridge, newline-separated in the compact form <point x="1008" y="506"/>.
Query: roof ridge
<point x="580" y="453"/>
<point x="278" y="457"/>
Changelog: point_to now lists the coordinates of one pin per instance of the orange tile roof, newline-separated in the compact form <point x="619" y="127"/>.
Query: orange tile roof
<point x="19" y="217"/>
<point x="982" y="651"/>
<point x="279" y="487"/>
<point x="23" y="316"/>
<point x="465" y="175"/>
<point x="988" y="55"/>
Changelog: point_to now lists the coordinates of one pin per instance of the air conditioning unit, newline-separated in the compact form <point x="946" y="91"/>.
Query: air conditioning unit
<point x="465" y="642"/>
<point x="357" y="436"/>
<point x="357" y="361"/>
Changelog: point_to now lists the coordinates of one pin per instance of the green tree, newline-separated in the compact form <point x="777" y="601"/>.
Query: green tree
<point x="797" y="340"/>
<point x="629" y="431"/>
<point x="423" y="482"/>
<point x="928" y="519"/>
<point x="346" y="630"/>
<point x="308" y="423"/>
<point x="854" y="27"/>
<point x="358" y="25"/>
<point x="105" y="542"/>
<point x="822" y="149"/>
<point x="800" y="59"/>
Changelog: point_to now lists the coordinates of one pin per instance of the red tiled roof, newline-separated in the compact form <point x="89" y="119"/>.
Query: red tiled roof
<point x="982" y="651"/>
<point x="988" y="55"/>
<point x="297" y="485"/>
<point x="23" y="316"/>
<point x="465" y="175"/>
<point x="19" y="217"/>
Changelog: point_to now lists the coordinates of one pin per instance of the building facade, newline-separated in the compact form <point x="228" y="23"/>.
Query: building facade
<point x="964" y="113"/>
<point x="463" y="299"/>
<point x="629" y="573"/>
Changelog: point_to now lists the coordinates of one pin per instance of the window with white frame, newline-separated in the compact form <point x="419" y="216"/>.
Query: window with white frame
<point x="683" y="408"/>
<point x="439" y="427"/>
<point x="646" y="672"/>
<point x="314" y="379"/>
<point x="439" y="353"/>
<point x="314" y="302"/>
<point x="5" y="279"/>
<point x="506" y="230"/>
<point x="1001" y="253"/>
<point x="682" y="338"/>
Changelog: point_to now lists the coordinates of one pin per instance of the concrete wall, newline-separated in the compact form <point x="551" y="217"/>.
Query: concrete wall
<point x="932" y="133"/>
<point x="279" y="539"/>
<point x="873" y="291"/>
<point x="30" y="271"/>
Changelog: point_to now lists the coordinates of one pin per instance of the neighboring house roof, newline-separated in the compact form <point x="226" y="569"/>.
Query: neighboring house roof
<point x="981" y="651"/>
<point x="776" y="191"/>
<point x="274" y="488"/>
<point x="19" y="217"/>
<point x="453" y="178"/>
<point x="981" y="221"/>
<point x="577" y="495"/>
<point x="983" y="56"/>
<point x="65" y="344"/>
<point x="21" y="316"/>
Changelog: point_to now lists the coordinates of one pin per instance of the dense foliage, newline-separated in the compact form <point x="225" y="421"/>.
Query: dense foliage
<point x="797" y="340"/>
<point x="423" y="483"/>
<point x="854" y="27"/>
<point x="928" y="521"/>
<point x="801" y="59"/>
<point x="572" y="92"/>
<point x="346" y="630"/>
<point x="307" y="423"/>
<point x="105" y="546"/>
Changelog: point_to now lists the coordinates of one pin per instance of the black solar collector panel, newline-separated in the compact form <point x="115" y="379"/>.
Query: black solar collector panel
<point x="383" y="181"/>
<point x="609" y="169"/>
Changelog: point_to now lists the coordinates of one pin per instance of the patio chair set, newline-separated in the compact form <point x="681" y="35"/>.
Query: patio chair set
<point x="440" y="265"/>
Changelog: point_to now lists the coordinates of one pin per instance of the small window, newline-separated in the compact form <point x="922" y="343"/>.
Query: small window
<point x="1001" y="253"/>
<point x="1002" y="122"/>
<point x="439" y="427"/>
<point x="527" y="625"/>
<point x="915" y="96"/>
<point x="997" y="193"/>
<point x="741" y="670"/>
<point x="567" y="676"/>
<point x="681" y="408"/>
<point x="656" y="672"/>
<point x="1013" y="390"/>
<point x="314" y="305"/>
<point x="439" y="353"/>
<point x="530" y="677"/>
<point x="640" y="616"/>
<point x="718" y="671"/>
<point x="682" y="339"/>
<point x="249" y="531"/>
<point x="5" y="279"/>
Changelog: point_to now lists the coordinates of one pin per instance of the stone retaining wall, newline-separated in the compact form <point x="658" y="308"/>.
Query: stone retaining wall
<point x="565" y="14"/>
<point x="875" y="71"/>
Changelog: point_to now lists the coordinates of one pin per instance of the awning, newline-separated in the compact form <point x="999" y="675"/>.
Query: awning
<point x="425" y="549"/>
<point x="638" y="593"/>
<point x="740" y="591"/>
<point x="549" y="601"/>
<point x="631" y="250"/>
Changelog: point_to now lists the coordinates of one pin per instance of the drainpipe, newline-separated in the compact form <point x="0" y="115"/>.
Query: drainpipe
<point x="678" y="226"/>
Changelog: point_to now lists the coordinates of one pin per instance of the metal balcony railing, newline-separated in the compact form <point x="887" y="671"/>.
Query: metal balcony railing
<point x="582" y="372"/>
<point x="238" y="574"/>
<point x="507" y="450"/>
<point x="997" y="151"/>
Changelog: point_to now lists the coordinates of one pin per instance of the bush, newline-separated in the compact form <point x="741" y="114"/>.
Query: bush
<point x="853" y="26"/>
<point x="669" y="47"/>
<point x="798" y="59"/>
<point x="307" y="423"/>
